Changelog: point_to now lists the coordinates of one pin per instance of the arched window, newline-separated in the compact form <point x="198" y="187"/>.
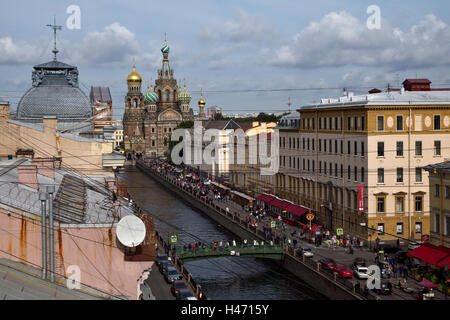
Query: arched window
<point x="135" y="103"/>
<point x="167" y="95"/>
<point x="159" y="95"/>
<point x="175" y="95"/>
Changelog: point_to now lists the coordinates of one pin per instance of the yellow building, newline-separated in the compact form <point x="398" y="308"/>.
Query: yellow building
<point x="246" y="176"/>
<point x="381" y="140"/>
<point x="439" y="190"/>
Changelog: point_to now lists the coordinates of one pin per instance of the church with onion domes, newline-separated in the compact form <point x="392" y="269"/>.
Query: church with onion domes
<point x="150" y="118"/>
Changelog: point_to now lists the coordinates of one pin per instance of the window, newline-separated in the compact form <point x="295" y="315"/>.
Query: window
<point x="362" y="174"/>
<point x="303" y="143"/>
<point x="380" y="149"/>
<point x="308" y="144"/>
<point x="380" y="123"/>
<point x="324" y="145"/>
<point x="418" y="227"/>
<point x="399" y="123"/>
<point x="308" y="164"/>
<point x="437" y="122"/>
<point x="348" y="147"/>
<point x="331" y="146"/>
<point x="399" y="204"/>
<point x="167" y="95"/>
<point x="418" y="148"/>
<point x="298" y="143"/>
<point x="447" y="192"/>
<point x="437" y="222"/>
<point x="342" y="147"/>
<point x="356" y="123"/>
<point x="325" y="123"/>
<point x="335" y="146"/>
<point x="447" y="223"/>
<point x="320" y="166"/>
<point x="419" y="202"/>
<point x="400" y="228"/>
<point x="313" y="145"/>
<point x="399" y="148"/>
<point x="381" y="229"/>
<point x="349" y="120"/>
<point x="342" y="171"/>
<point x="356" y="173"/>
<point x="437" y="147"/>
<point x="335" y="170"/>
<point x="325" y="167"/>
<point x="153" y="130"/>
<point x="363" y="124"/>
<point x="313" y="166"/>
<point x="399" y="175"/>
<point x="331" y="169"/>
<point x="436" y="190"/>
<point x="320" y="145"/>
<point x="320" y="123"/>
<point x="331" y="123"/>
<point x="355" y="148"/>
<point x="304" y="164"/>
<point x="153" y="143"/>
<point x="380" y="175"/>
<point x="336" y="123"/>
<point x="362" y="148"/>
<point x="348" y="173"/>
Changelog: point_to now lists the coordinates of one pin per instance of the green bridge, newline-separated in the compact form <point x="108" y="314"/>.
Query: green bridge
<point x="244" y="251"/>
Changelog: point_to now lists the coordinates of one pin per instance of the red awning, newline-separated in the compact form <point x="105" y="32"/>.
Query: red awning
<point x="418" y="253"/>
<point x="444" y="261"/>
<point x="265" y="198"/>
<point x="276" y="203"/>
<point x="296" y="210"/>
<point x="429" y="254"/>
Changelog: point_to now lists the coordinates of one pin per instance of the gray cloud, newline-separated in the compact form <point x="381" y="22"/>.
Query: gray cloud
<point x="340" y="39"/>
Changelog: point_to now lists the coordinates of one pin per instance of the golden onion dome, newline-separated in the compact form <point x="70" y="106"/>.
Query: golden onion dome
<point x="201" y="102"/>
<point x="134" y="76"/>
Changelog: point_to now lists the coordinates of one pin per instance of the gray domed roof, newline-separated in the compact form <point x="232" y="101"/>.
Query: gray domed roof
<point x="55" y="92"/>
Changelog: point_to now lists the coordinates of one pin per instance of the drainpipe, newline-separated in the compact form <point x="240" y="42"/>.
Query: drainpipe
<point x="409" y="172"/>
<point x="43" y="198"/>
<point x="50" y="191"/>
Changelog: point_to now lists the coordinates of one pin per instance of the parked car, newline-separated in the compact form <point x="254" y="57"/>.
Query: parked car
<point x="307" y="252"/>
<point x="343" y="271"/>
<point x="185" y="294"/>
<point x="177" y="286"/>
<point x="414" y="245"/>
<point x="385" y="288"/>
<point x="361" y="272"/>
<point x="161" y="257"/>
<point x="171" y="274"/>
<point x="327" y="263"/>
<point x="163" y="266"/>
<point x="359" y="262"/>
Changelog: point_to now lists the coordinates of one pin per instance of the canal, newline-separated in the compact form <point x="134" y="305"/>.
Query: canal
<point x="221" y="278"/>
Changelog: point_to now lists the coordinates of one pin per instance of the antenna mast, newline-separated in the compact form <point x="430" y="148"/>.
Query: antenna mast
<point x="289" y="104"/>
<point x="55" y="28"/>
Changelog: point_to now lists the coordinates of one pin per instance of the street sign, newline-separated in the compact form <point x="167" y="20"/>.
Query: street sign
<point x="273" y="224"/>
<point x="339" y="231"/>
<point x="173" y="239"/>
<point x="310" y="216"/>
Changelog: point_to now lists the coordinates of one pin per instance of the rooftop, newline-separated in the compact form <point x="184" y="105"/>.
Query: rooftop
<point x="401" y="97"/>
<point x="442" y="167"/>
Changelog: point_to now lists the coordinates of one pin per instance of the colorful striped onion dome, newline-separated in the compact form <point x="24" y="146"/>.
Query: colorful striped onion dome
<point x="151" y="95"/>
<point x="165" y="48"/>
<point x="183" y="95"/>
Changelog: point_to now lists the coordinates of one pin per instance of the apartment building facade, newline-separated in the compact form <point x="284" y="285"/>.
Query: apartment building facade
<point x="439" y="190"/>
<point x="381" y="141"/>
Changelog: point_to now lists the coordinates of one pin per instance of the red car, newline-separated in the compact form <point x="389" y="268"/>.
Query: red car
<point x="343" y="271"/>
<point x="176" y="286"/>
<point x="327" y="263"/>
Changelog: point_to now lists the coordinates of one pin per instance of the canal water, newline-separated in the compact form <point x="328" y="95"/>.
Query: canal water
<point x="221" y="278"/>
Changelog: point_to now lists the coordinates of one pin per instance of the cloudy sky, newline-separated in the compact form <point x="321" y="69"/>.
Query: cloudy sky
<point x="247" y="55"/>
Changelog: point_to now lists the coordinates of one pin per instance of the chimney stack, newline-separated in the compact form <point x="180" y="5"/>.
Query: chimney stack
<point x="28" y="176"/>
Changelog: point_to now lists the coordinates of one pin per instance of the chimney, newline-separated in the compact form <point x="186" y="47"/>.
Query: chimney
<point x="45" y="167"/>
<point x="28" y="176"/>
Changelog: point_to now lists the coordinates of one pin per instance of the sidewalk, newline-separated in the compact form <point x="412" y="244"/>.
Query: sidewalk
<point x="339" y="254"/>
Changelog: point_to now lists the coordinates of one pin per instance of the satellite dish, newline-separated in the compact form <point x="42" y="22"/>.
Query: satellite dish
<point x="131" y="231"/>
